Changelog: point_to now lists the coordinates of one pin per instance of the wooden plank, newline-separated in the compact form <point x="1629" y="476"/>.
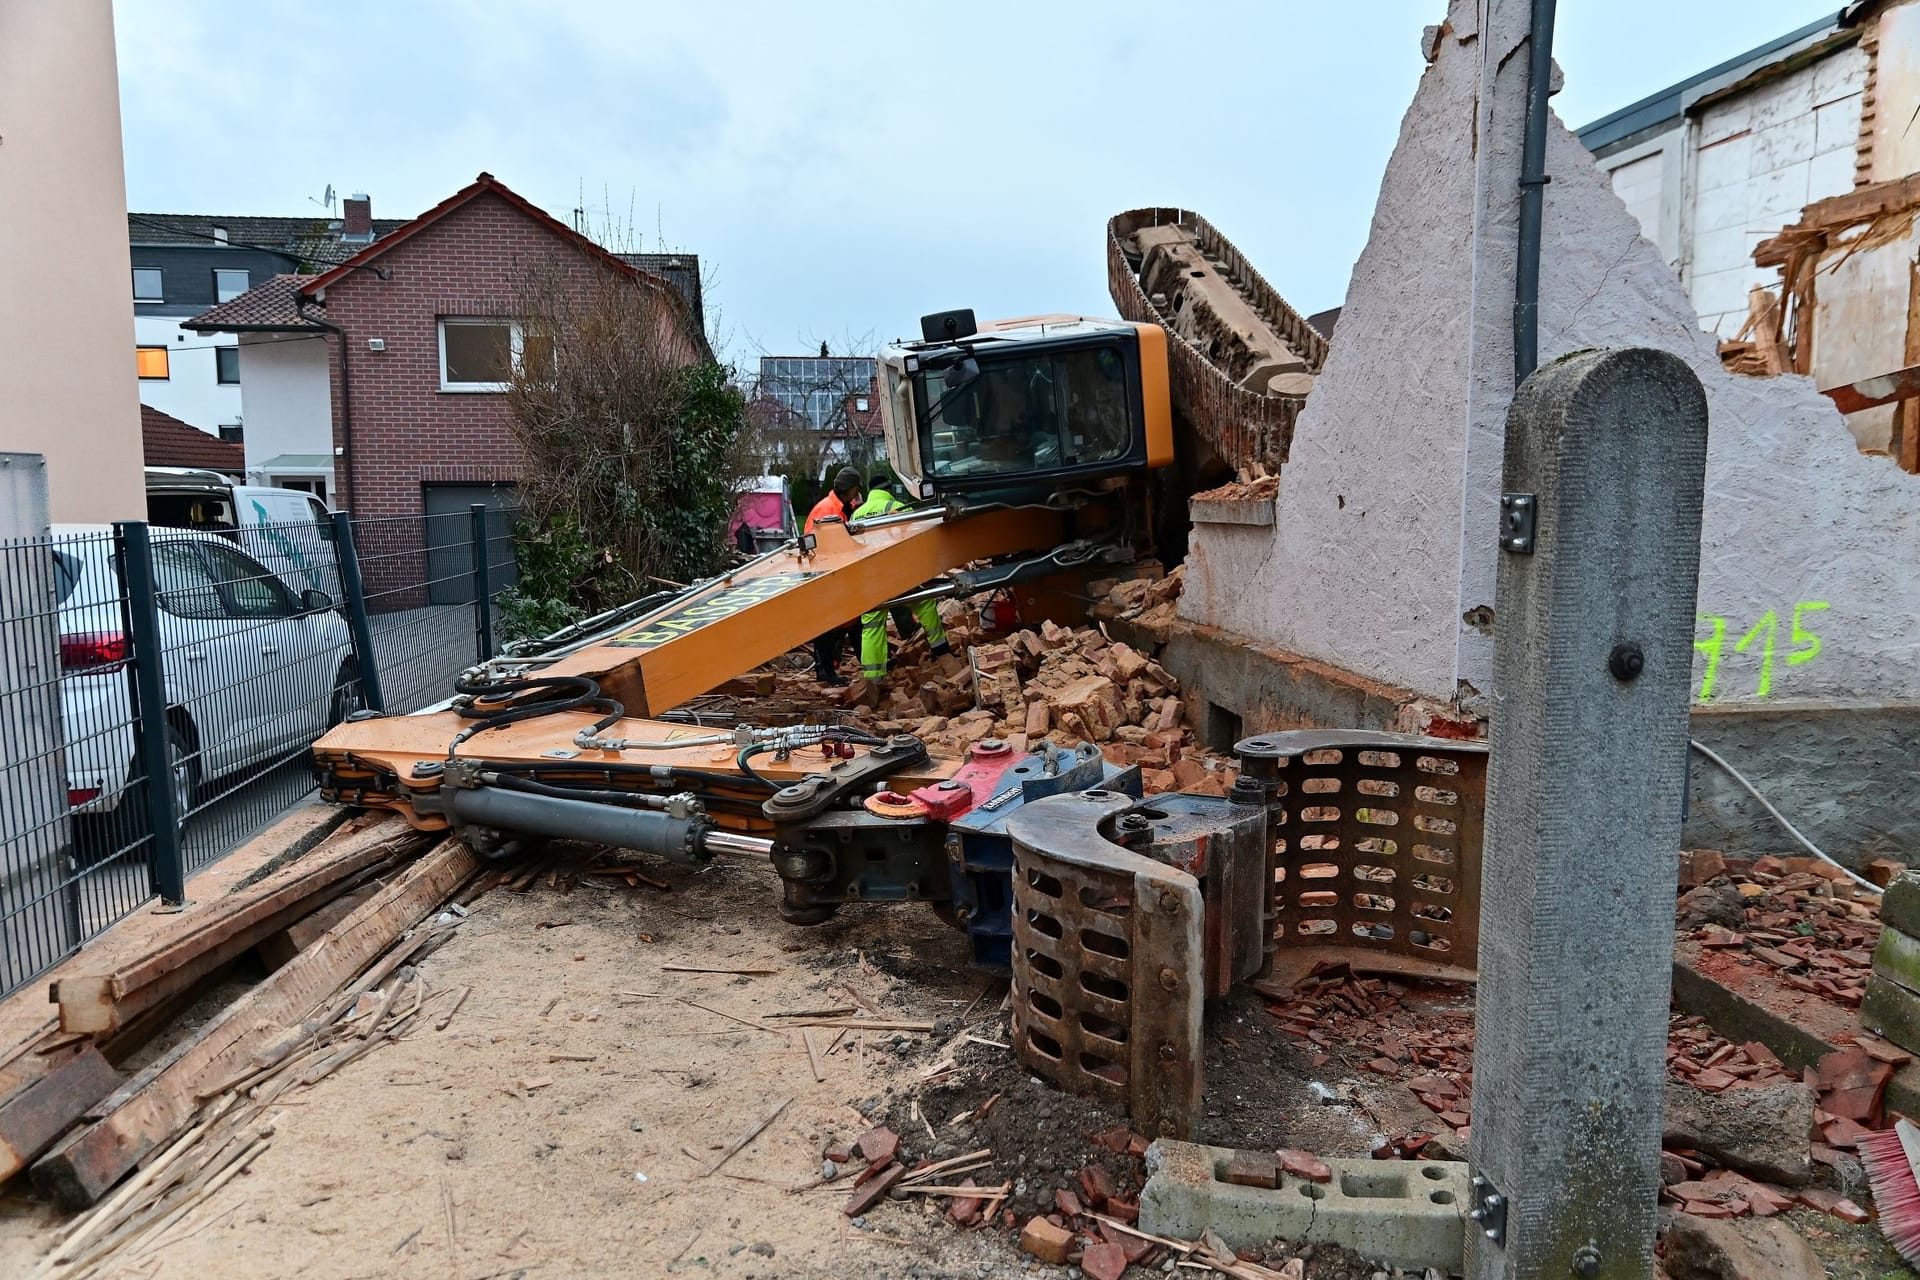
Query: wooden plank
<point x="32" y="1117"/>
<point x="146" y="1111"/>
<point x="283" y="946"/>
<point x="100" y="1000"/>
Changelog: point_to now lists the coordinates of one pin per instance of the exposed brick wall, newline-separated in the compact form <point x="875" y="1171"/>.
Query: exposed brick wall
<point x="406" y="431"/>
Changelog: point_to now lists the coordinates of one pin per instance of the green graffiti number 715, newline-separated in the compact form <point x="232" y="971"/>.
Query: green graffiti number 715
<point x="1803" y="645"/>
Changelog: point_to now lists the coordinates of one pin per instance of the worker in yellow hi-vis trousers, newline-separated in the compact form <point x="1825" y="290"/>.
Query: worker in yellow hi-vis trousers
<point x="873" y="626"/>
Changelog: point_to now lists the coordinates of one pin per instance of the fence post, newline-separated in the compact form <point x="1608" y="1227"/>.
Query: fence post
<point x="165" y="864"/>
<point x="482" y="584"/>
<point x="1593" y="666"/>
<point x="350" y="582"/>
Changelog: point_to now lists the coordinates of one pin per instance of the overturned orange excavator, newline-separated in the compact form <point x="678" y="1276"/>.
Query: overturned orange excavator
<point x="1035" y="449"/>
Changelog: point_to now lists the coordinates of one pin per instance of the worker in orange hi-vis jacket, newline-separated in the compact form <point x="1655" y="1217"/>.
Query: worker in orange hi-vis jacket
<point x="848" y="489"/>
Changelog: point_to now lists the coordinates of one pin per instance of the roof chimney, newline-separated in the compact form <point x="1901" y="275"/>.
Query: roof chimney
<point x="356" y="217"/>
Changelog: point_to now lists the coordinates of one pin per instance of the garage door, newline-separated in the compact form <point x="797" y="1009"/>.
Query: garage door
<point x="449" y="538"/>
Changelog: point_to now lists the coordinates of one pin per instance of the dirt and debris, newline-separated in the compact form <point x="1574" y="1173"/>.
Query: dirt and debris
<point x="640" y="1085"/>
<point x="1064" y="685"/>
<point x="1799" y="917"/>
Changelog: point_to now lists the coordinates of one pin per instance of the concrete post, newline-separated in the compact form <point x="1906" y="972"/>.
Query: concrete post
<point x="1606" y="455"/>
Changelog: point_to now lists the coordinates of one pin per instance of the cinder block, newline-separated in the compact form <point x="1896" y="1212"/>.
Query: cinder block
<point x="1408" y="1214"/>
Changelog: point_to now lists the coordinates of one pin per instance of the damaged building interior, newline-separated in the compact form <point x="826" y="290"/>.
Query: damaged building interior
<point x="1432" y="799"/>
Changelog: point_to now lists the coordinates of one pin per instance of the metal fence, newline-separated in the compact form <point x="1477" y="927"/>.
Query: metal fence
<point x="211" y="661"/>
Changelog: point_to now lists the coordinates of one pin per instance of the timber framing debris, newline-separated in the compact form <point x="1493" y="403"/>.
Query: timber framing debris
<point x="255" y="1031"/>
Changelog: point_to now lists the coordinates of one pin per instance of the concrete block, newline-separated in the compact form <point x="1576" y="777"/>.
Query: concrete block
<point x="1408" y="1214"/>
<point x="1892" y="1012"/>
<point x="1900" y="906"/>
<point x="1897" y="959"/>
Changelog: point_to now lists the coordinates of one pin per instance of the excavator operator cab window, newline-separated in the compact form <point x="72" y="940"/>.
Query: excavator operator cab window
<point x="1047" y="410"/>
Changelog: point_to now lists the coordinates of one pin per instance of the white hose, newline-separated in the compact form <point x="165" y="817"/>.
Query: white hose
<point x="1781" y="818"/>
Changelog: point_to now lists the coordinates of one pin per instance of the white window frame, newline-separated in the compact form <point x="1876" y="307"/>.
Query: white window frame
<point x="223" y="271"/>
<point x="159" y="297"/>
<point x="514" y="345"/>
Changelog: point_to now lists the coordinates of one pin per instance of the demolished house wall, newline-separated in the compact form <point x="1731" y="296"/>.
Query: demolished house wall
<point x="1382" y="554"/>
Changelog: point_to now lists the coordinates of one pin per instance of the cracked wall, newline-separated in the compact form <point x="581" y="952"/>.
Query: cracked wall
<point x="1381" y="558"/>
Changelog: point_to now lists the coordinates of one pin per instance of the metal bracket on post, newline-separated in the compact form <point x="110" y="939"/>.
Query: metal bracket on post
<point x="1489" y="1211"/>
<point x="482" y="584"/>
<point x="1518" y="512"/>
<point x="165" y="864"/>
<point x="348" y="555"/>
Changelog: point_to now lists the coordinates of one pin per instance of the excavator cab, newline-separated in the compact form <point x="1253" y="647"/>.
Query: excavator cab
<point x="1026" y="405"/>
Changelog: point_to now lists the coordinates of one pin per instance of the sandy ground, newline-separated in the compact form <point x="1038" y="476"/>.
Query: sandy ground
<point x="515" y="1142"/>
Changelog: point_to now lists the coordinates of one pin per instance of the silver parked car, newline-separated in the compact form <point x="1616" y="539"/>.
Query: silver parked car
<point x="253" y="669"/>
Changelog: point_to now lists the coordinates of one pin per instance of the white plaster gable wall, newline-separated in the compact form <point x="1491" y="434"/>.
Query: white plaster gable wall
<point x="1360" y="566"/>
<point x="1366" y="567"/>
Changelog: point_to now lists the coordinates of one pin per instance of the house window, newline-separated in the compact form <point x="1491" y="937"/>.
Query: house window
<point x="229" y="283"/>
<point x="226" y="366"/>
<point x="477" y="354"/>
<point x="151" y="362"/>
<point x="149" y="285"/>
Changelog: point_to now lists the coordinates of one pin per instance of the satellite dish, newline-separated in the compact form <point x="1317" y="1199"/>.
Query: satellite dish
<point x="327" y="199"/>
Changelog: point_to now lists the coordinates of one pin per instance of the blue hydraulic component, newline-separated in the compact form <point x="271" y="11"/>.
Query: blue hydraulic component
<point x="980" y="855"/>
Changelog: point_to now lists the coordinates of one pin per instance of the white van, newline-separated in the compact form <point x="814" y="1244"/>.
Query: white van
<point x="288" y="531"/>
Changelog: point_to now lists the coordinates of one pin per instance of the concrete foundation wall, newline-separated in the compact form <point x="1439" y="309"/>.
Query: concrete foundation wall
<point x="1381" y="558"/>
<point x="1841" y="773"/>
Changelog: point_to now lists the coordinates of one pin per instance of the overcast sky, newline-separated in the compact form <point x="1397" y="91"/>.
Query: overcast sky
<point x="842" y="168"/>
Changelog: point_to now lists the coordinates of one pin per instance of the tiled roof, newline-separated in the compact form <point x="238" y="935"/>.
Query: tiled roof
<point x="681" y="270"/>
<point x="271" y="304"/>
<point x="315" y="241"/>
<point x="168" y="442"/>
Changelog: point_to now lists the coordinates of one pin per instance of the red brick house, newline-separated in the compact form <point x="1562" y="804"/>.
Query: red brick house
<point x="410" y="341"/>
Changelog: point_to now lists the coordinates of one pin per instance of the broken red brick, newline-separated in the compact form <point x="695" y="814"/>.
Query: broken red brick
<point x="839" y="1152"/>
<point x="1137" y="1145"/>
<point x="1096" y="1185"/>
<point x="1848" y="1211"/>
<point x="965" y="1210"/>
<point x="1133" y="1246"/>
<point x="1251" y="1169"/>
<point x="1304" y="1164"/>
<point x="1123" y="1209"/>
<point x="1103" y="1261"/>
<point x="879" y="1145"/>
<point x="1843" y="1133"/>
<point x="1067" y="1203"/>
<point x="874" y="1192"/>
<point x="1046" y="1241"/>
<point x="1114" y="1140"/>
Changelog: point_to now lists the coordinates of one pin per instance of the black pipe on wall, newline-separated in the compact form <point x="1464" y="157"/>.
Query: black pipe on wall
<point x="1533" y="192"/>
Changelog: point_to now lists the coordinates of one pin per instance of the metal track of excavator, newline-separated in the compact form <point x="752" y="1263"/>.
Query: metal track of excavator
<point x="1242" y="360"/>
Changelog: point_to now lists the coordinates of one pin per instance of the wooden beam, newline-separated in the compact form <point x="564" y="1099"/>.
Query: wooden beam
<point x="1871" y="393"/>
<point x="304" y="932"/>
<point x="145" y="1112"/>
<point x="102" y="999"/>
<point x="32" y="1117"/>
